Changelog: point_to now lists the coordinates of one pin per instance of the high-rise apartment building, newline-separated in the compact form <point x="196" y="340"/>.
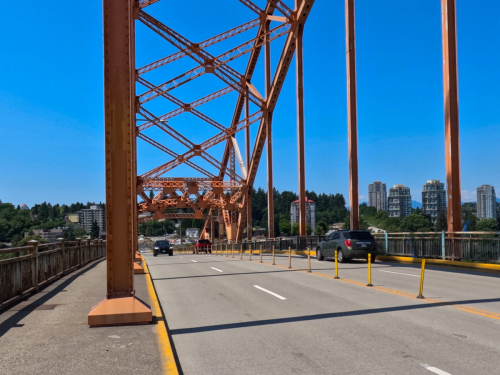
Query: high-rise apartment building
<point x="486" y="202"/>
<point x="399" y="201"/>
<point x="377" y="195"/>
<point x="310" y="213"/>
<point x="87" y="216"/>
<point x="433" y="199"/>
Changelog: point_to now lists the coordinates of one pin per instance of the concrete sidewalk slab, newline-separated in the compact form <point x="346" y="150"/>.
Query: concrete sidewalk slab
<point x="37" y="337"/>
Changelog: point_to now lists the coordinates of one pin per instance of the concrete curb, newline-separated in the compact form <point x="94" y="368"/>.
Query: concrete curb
<point x="166" y="352"/>
<point x="442" y="263"/>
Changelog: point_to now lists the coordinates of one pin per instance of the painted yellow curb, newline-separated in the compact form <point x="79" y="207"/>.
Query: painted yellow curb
<point x="167" y="355"/>
<point x="451" y="263"/>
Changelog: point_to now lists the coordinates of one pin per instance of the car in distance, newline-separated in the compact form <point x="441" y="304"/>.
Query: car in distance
<point x="163" y="247"/>
<point x="203" y="246"/>
<point x="349" y="244"/>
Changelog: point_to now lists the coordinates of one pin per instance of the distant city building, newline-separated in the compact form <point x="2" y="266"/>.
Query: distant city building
<point x="377" y="196"/>
<point x="193" y="232"/>
<point x="433" y="199"/>
<point x="310" y="213"/>
<point x="87" y="216"/>
<point x="399" y="201"/>
<point x="24" y="206"/>
<point x="50" y="235"/>
<point x="486" y="202"/>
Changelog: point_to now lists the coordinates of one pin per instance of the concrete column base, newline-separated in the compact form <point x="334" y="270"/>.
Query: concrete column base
<point x="138" y="269"/>
<point x="138" y="257"/>
<point x="119" y="311"/>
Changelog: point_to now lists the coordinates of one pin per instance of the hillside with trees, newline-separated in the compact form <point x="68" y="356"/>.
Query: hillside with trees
<point x="14" y="221"/>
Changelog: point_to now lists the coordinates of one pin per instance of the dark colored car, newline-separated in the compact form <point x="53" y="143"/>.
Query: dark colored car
<point x="203" y="246"/>
<point x="163" y="247"/>
<point x="349" y="244"/>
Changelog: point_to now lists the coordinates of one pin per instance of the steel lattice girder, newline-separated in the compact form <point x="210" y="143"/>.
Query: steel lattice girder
<point x="212" y="192"/>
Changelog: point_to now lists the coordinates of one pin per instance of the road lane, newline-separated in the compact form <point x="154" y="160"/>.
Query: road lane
<point x="221" y="324"/>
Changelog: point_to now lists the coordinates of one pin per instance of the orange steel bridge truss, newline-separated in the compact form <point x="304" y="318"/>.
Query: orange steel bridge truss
<point x="224" y="195"/>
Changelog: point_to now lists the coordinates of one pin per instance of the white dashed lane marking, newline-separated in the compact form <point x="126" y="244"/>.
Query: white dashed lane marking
<point x="435" y="370"/>
<point x="268" y="291"/>
<point x="216" y="269"/>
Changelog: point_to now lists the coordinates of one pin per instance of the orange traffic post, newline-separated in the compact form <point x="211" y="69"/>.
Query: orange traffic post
<point x="232" y="251"/>
<point x="273" y="257"/>
<point x="309" y="259"/>
<point x="289" y="257"/>
<point x="420" y="295"/>
<point x="369" y="270"/>
<point x="250" y="254"/>
<point x="227" y="251"/>
<point x="260" y="253"/>
<point x="241" y="251"/>
<point x="336" y="266"/>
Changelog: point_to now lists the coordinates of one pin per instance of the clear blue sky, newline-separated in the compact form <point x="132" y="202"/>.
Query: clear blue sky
<point x="51" y="96"/>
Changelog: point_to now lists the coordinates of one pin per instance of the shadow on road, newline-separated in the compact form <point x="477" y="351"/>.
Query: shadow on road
<point x="305" y="318"/>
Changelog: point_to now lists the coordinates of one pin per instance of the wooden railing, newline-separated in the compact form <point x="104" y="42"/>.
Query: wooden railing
<point x="25" y="269"/>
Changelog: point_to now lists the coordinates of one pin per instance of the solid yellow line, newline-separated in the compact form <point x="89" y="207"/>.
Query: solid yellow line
<point x="472" y="310"/>
<point x="167" y="355"/>
<point x="479" y="266"/>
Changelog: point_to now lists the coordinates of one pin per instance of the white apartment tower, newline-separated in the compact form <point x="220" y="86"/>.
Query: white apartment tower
<point x="399" y="201"/>
<point x="433" y="199"/>
<point x="486" y="202"/>
<point x="310" y="213"/>
<point x="377" y="195"/>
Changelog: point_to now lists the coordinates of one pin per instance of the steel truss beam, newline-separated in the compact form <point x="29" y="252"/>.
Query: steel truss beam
<point x="206" y="195"/>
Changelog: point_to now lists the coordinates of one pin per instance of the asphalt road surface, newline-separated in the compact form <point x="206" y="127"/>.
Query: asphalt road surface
<point x="232" y="316"/>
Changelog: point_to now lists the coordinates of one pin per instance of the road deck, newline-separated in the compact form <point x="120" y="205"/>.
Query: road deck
<point x="231" y="316"/>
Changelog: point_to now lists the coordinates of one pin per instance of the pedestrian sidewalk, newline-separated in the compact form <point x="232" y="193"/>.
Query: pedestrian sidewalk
<point x="48" y="333"/>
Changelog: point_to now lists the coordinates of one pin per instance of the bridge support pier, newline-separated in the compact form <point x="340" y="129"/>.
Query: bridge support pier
<point x="120" y="305"/>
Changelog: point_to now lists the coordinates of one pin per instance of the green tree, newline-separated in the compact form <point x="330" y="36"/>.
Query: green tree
<point x="487" y="225"/>
<point x="323" y="225"/>
<point x="94" y="230"/>
<point x="295" y="229"/>
<point x="15" y="240"/>
<point x="441" y="221"/>
<point x="285" y="227"/>
<point x="319" y="230"/>
<point x="416" y="223"/>
<point x="308" y="230"/>
<point x="80" y="233"/>
<point x="469" y="216"/>
<point x="25" y="240"/>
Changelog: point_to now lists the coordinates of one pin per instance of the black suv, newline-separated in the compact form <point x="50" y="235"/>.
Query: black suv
<point x="163" y="247"/>
<point x="349" y="244"/>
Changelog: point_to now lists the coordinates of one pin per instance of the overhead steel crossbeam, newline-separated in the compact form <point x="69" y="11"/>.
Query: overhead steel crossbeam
<point x="214" y="194"/>
<point x="207" y="43"/>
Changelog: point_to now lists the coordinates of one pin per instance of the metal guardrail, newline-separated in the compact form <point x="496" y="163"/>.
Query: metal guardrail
<point x="280" y="244"/>
<point x="469" y="246"/>
<point x="25" y="269"/>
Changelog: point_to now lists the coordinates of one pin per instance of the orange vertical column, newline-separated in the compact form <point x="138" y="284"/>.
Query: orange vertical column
<point x="352" y="117"/>
<point x="300" y="132"/>
<point x="451" y="120"/>
<point x="269" y="136"/>
<point x="120" y="305"/>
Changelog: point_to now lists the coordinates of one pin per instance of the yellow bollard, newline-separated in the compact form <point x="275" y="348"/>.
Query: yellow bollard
<point x="369" y="270"/>
<point x="309" y="260"/>
<point x="250" y="254"/>
<point x="336" y="266"/>
<point x="260" y="253"/>
<point x="422" y="280"/>
<point x="241" y="251"/>
<point x="232" y="251"/>
<point x="227" y="251"/>
<point x="273" y="257"/>
<point x="289" y="257"/>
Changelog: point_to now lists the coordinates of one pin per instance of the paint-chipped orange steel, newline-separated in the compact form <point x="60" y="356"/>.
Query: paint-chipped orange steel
<point x="224" y="194"/>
